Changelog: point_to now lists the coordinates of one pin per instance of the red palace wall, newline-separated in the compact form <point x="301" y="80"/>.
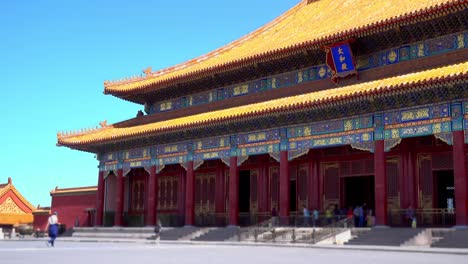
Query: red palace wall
<point x="71" y="208"/>
<point x="40" y="220"/>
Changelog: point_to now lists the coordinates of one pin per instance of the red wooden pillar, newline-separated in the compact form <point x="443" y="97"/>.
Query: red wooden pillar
<point x="219" y="189"/>
<point x="460" y="177"/>
<point x="284" y="185"/>
<point x="119" y="199"/>
<point x="190" y="195"/>
<point x="263" y="186"/>
<point x="181" y="193"/>
<point x="100" y="200"/>
<point x="233" y="192"/>
<point x="408" y="192"/>
<point x="313" y="190"/>
<point x="380" y="181"/>
<point x="151" y="195"/>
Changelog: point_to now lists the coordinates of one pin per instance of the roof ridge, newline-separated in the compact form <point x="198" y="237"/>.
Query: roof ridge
<point x="223" y="48"/>
<point x="83" y="131"/>
<point x="313" y="39"/>
<point x="11" y="187"/>
<point x="73" y="188"/>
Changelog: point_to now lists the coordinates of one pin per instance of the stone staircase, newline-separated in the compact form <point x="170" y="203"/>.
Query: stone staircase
<point x="385" y="236"/>
<point x="219" y="234"/>
<point x="113" y="232"/>
<point x="182" y="233"/>
<point x="454" y="238"/>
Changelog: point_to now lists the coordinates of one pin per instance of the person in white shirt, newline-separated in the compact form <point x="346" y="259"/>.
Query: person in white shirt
<point x="52" y="227"/>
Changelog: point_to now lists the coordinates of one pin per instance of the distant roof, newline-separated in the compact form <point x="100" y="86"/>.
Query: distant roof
<point x="317" y="99"/>
<point x="14" y="208"/>
<point x="305" y="26"/>
<point x="73" y="190"/>
<point x="40" y="210"/>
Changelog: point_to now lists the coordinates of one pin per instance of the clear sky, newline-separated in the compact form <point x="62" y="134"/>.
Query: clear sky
<point x="56" y="55"/>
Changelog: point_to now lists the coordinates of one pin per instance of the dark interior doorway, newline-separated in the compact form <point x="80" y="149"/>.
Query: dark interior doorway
<point x="244" y="191"/>
<point x="359" y="190"/>
<point x="292" y="196"/>
<point x="444" y="189"/>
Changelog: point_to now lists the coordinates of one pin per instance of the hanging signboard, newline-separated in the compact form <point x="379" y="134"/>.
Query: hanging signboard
<point x="340" y="60"/>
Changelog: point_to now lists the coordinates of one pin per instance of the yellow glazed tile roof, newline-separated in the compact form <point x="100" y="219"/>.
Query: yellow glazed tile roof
<point x="305" y="25"/>
<point x="6" y="188"/>
<point x="75" y="190"/>
<point x="314" y="99"/>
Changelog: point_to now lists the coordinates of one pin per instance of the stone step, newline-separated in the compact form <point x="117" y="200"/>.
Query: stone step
<point x="385" y="236"/>
<point x="218" y="234"/>
<point x="455" y="238"/>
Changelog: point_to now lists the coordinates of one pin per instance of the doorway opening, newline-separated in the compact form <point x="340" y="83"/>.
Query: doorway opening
<point x="244" y="191"/>
<point x="292" y="196"/>
<point x="359" y="191"/>
<point x="444" y="196"/>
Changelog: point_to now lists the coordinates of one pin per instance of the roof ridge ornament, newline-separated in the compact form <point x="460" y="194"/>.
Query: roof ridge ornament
<point x="83" y="131"/>
<point x="103" y="124"/>
<point x="148" y="71"/>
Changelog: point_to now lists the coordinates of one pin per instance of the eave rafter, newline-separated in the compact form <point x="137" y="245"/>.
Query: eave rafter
<point x="316" y="100"/>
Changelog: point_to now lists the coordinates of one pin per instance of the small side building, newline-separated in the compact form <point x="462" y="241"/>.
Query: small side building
<point x="14" y="208"/>
<point x="75" y="206"/>
<point x="41" y="214"/>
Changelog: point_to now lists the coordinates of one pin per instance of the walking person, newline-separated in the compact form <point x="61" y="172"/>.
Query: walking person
<point x="361" y="216"/>
<point x="274" y="217"/>
<point x="52" y="228"/>
<point x="316" y="216"/>
<point x="306" y="213"/>
<point x="409" y="215"/>
<point x="329" y="215"/>
<point x="158" y="231"/>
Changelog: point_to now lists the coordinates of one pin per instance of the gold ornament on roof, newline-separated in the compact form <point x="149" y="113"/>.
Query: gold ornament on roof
<point x="103" y="124"/>
<point x="147" y="71"/>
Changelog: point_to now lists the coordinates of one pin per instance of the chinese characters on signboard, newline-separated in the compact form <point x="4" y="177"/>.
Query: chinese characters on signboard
<point x="340" y="60"/>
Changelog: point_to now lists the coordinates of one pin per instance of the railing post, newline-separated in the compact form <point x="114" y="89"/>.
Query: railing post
<point x="294" y="235"/>
<point x="256" y="235"/>
<point x="313" y="236"/>
<point x="443" y="218"/>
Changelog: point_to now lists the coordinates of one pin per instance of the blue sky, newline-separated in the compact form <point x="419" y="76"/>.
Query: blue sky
<point x="55" y="56"/>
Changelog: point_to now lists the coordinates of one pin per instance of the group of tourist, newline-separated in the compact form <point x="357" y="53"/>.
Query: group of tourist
<point x="361" y="216"/>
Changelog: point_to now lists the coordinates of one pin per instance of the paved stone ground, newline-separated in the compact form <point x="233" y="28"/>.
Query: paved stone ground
<point x="65" y="252"/>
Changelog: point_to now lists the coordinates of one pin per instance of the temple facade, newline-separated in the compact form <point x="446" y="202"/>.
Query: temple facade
<point x="315" y="109"/>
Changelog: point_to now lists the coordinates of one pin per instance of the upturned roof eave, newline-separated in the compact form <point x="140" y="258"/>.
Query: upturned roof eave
<point x="293" y="107"/>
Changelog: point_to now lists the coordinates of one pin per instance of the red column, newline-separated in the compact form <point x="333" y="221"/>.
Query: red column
<point x="151" y="198"/>
<point x="380" y="180"/>
<point x="219" y="189"/>
<point x="100" y="200"/>
<point x="262" y="188"/>
<point x="119" y="199"/>
<point x="461" y="178"/>
<point x="313" y="189"/>
<point x="408" y="192"/>
<point x="233" y="192"/>
<point x="404" y="201"/>
<point x="284" y="185"/>
<point x="190" y="195"/>
<point x="181" y="192"/>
